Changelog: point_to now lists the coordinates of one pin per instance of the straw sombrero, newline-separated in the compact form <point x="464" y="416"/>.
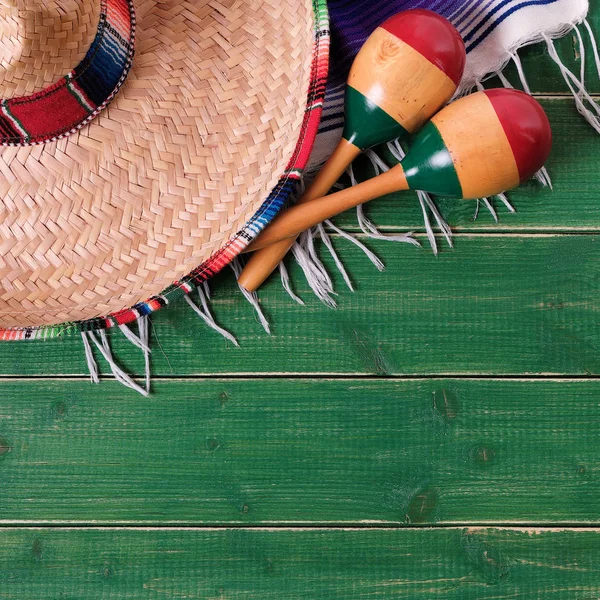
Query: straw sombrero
<point x="144" y="143"/>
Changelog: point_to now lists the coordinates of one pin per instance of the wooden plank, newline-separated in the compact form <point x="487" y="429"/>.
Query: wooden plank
<point x="455" y="564"/>
<point x="571" y="206"/>
<point x="309" y="451"/>
<point x="501" y="305"/>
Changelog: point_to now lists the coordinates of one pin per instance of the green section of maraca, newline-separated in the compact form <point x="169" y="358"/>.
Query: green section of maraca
<point x="368" y="125"/>
<point x="429" y="166"/>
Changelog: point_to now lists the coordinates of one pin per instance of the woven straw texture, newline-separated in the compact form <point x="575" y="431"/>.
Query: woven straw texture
<point x="198" y="137"/>
<point x="39" y="43"/>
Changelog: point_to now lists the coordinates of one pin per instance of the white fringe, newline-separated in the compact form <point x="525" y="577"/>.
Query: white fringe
<point x="336" y="259"/>
<point x="144" y="331"/>
<point x="118" y="373"/>
<point x="505" y="82"/>
<point x="250" y="296"/>
<point x="489" y="206"/>
<point x="506" y="203"/>
<point x="378" y="164"/>
<point x="314" y="270"/>
<point x="519" y="65"/>
<point x="581" y="56"/>
<point x="365" y="224"/>
<point x="206" y="315"/>
<point x="287" y="285"/>
<point x="89" y="357"/>
<point x="441" y="223"/>
<point x="581" y="95"/>
<point x="544" y="178"/>
<point x="594" y="46"/>
<point x="137" y="341"/>
<point x="140" y="341"/>
<point x="370" y="254"/>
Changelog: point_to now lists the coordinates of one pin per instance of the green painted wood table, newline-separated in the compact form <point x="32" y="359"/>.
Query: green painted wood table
<point x="437" y="436"/>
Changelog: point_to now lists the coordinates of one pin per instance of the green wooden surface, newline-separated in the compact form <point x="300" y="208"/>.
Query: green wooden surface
<point x="309" y="451"/>
<point x="453" y="564"/>
<point x="502" y="305"/>
<point x="453" y="391"/>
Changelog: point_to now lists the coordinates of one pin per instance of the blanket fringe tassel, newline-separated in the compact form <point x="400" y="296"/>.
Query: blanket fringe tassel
<point x="101" y="342"/>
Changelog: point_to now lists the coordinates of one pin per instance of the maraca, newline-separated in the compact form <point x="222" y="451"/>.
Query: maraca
<point x="407" y="70"/>
<point x="478" y="146"/>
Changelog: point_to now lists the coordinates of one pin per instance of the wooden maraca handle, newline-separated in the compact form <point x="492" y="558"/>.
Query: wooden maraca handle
<point x="299" y="218"/>
<point x="264" y="261"/>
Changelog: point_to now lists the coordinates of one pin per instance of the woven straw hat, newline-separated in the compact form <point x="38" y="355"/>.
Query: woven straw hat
<point x="140" y="139"/>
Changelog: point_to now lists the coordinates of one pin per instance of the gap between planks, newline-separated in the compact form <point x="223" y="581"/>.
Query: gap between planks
<point x="555" y="377"/>
<point x="542" y="233"/>
<point x="472" y="232"/>
<point x="533" y="529"/>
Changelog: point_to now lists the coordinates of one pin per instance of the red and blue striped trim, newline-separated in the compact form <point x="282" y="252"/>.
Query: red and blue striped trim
<point x="71" y="103"/>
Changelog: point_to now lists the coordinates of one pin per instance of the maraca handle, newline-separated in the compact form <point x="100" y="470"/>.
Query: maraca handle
<point x="299" y="218"/>
<point x="265" y="261"/>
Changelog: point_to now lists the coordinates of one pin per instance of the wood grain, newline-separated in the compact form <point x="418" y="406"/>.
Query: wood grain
<point x="309" y="451"/>
<point x="454" y="564"/>
<point x="401" y="81"/>
<point x="495" y="305"/>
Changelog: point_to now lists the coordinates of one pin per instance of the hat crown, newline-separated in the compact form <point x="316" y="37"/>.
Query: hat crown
<point x="63" y="106"/>
<point x="41" y="40"/>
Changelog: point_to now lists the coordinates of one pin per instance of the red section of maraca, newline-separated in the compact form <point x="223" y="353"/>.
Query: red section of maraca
<point x="432" y="36"/>
<point x="526" y="126"/>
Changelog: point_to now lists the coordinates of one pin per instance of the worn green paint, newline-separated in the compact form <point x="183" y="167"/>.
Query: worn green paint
<point x="454" y="564"/>
<point x="312" y="451"/>
<point x="366" y="124"/>
<point x="429" y="166"/>
<point x="498" y="305"/>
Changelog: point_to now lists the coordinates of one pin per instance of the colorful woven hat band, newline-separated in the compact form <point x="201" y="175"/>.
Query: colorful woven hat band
<point x="72" y="102"/>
